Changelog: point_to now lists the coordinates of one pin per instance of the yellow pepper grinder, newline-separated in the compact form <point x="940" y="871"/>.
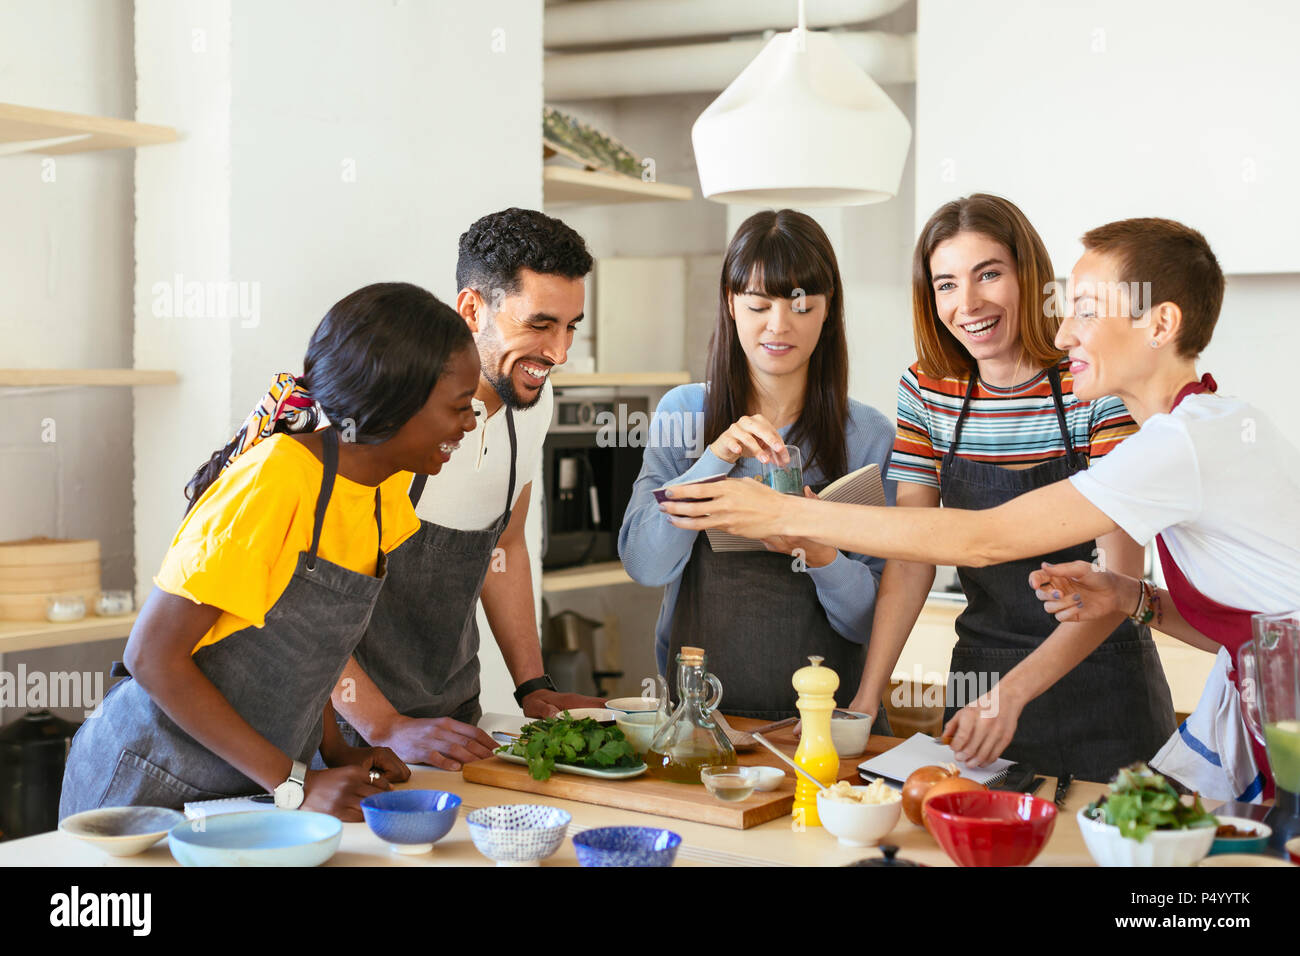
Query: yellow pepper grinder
<point x="816" y="754"/>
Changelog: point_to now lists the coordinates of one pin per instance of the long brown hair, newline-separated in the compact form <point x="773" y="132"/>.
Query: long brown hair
<point x="939" y="354"/>
<point x="780" y="252"/>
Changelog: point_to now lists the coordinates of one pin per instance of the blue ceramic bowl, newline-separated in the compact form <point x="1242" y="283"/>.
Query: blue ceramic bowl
<point x="410" y="821"/>
<point x="518" y="834"/>
<point x="260" y="838"/>
<point x="1251" y="844"/>
<point x="626" y="846"/>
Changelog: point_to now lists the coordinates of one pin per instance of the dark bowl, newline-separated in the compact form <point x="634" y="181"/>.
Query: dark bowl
<point x="990" y="827"/>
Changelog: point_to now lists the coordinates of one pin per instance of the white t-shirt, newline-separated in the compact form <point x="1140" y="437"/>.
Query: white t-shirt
<point x="469" y="493"/>
<point x="1222" y="487"/>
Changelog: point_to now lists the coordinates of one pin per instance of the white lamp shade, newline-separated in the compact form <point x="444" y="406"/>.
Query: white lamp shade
<point x="802" y="125"/>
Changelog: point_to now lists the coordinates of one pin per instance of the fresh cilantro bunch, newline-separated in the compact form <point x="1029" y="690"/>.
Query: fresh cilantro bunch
<point x="1141" y="801"/>
<point x="561" y="739"/>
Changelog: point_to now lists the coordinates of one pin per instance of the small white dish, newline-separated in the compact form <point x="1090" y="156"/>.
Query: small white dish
<point x="633" y="705"/>
<point x="598" y="714"/>
<point x="639" y="729"/>
<point x="121" y="831"/>
<point x="858" y="824"/>
<point x="769" y="778"/>
<point x="850" y="734"/>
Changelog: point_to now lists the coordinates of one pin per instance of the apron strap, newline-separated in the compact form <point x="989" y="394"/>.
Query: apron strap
<point x="965" y="410"/>
<point x="417" y="488"/>
<point x="379" y="526"/>
<point x="514" y="450"/>
<point x="330" y="440"/>
<point x="1054" y="376"/>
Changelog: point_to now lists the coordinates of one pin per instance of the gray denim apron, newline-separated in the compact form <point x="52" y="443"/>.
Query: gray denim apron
<point x="277" y="677"/>
<point x="421" y="647"/>
<point x="758" y="620"/>
<point x="1111" y="709"/>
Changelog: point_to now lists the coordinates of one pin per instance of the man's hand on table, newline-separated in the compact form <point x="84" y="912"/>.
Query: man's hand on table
<point x="438" y="741"/>
<point x="548" y="703"/>
<point x="981" y="730"/>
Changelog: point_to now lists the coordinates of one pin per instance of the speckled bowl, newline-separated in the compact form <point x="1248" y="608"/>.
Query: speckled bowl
<point x="518" y="834"/>
<point x="410" y="821"/>
<point x="121" y="831"/>
<point x="626" y="846"/>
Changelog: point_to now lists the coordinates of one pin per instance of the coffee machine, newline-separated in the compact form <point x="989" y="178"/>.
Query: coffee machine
<point x="588" y="469"/>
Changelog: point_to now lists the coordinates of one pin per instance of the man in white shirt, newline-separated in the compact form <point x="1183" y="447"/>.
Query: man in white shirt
<point x="413" y="684"/>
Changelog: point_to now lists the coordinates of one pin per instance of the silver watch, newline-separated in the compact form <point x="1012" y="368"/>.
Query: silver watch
<point x="290" y="794"/>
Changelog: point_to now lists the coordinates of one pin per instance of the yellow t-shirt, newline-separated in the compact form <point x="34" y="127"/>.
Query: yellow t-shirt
<point x="238" y="547"/>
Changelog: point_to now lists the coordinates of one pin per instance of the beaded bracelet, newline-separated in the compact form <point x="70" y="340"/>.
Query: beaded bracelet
<point x="1148" y="608"/>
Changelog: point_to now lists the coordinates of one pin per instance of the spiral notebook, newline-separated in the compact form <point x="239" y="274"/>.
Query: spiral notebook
<point x="921" y="750"/>
<point x="861" y="487"/>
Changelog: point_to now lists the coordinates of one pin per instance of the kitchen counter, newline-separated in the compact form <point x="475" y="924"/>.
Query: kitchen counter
<point x="770" y="844"/>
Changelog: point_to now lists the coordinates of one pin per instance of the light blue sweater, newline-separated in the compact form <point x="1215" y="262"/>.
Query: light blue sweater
<point x="654" y="552"/>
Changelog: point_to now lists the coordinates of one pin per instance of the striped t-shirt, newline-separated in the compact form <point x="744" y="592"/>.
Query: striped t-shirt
<point x="1009" y="427"/>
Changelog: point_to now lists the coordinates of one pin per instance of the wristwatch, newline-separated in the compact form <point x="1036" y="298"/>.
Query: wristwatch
<point x="537" y="683"/>
<point x="290" y="794"/>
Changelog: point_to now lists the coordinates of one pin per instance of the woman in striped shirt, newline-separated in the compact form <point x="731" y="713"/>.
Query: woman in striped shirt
<point x="987" y="413"/>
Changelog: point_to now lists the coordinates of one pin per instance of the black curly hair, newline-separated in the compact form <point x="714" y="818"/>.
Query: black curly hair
<point x="494" y="249"/>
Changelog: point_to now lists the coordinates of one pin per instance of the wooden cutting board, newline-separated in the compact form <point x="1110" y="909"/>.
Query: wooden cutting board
<point x="680" y="801"/>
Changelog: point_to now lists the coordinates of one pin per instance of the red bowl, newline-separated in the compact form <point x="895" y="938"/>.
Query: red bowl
<point x="990" y="827"/>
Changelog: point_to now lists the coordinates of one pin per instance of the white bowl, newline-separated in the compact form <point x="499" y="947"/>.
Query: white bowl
<point x="858" y="824"/>
<point x="850" y="735"/>
<point x="633" y="705"/>
<point x="598" y="714"/>
<point x="121" y="831"/>
<point x="518" y="834"/>
<point x="638" y="728"/>
<point x="1160" y="848"/>
<point x="769" y="778"/>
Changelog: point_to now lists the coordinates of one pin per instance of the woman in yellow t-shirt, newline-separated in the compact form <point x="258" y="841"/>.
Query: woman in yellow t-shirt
<point x="270" y="580"/>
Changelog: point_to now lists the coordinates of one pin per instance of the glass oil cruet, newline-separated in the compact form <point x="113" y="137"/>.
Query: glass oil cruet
<point x="687" y="738"/>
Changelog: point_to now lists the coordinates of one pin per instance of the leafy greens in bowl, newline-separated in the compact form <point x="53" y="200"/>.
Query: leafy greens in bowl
<point x="579" y="743"/>
<point x="1141" y="801"/>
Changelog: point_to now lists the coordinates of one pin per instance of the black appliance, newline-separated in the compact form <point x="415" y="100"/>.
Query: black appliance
<point x="588" y="468"/>
<point x="33" y="751"/>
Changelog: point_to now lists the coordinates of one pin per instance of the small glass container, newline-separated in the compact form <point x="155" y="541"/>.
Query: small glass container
<point x="729" y="783"/>
<point x="60" y="610"/>
<point x="114" y="603"/>
<point x="788" y="478"/>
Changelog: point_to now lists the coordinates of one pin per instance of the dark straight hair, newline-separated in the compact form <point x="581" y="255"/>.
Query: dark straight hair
<point x="780" y="253"/>
<point x="371" y="364"/>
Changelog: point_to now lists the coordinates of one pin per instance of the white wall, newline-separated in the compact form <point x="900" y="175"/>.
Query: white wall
<point x="65" y="267"/>
<point x="1085" y="113"/>
<point x="355" y="142"/>
<point x="1082" y="114"/>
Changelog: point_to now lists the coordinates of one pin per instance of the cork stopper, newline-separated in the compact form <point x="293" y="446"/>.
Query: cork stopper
<point x="691" y="655"/>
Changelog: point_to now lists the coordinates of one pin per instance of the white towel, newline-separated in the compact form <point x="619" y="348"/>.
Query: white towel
<point x="1210" y="752"/>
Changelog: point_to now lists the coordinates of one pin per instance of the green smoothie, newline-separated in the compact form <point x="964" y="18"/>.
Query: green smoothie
<point x="1283" y="742"/>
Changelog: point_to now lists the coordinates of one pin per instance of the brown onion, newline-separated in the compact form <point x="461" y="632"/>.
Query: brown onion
<point x="918" y="784"/>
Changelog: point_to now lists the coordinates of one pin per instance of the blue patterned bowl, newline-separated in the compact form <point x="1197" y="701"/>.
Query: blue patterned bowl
<point x="626" y="846"/>
<point x="518" y="834"/>
<point x="259" y="838"/>
<point x="410" y="821"/>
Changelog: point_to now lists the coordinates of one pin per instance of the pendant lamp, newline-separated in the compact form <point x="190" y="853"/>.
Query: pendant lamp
<point x="802" y="125"/>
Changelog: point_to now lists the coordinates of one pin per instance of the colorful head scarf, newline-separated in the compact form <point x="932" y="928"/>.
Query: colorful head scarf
<point x="286" y="407"/>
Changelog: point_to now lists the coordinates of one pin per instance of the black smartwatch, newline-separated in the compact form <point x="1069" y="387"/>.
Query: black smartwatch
<point x="537" y="683"/>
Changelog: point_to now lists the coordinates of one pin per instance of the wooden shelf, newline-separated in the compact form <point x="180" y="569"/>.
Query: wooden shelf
<point x="564" y="184"/>
<point x="587" y="576"/>
<point x="28" y="129"/>
<point x="33" y="635"/>
<point x="37" y="377"/>
<point x="607" y="379"/>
